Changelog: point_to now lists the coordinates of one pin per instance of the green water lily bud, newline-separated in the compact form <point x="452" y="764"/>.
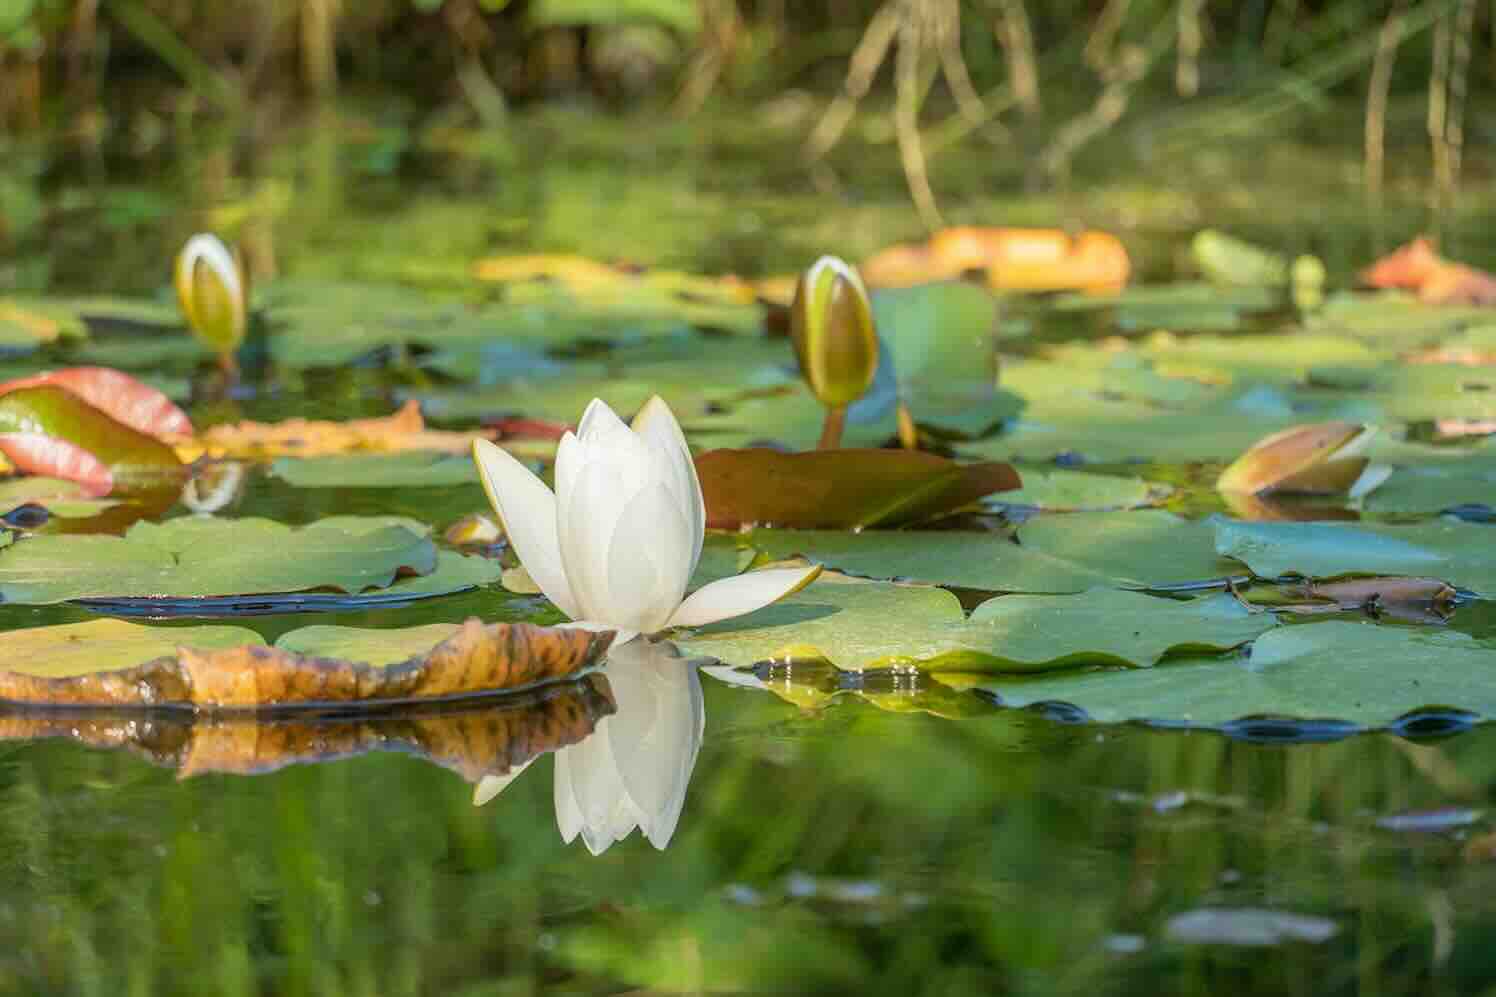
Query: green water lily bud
<point x="1324" y="458"/>
<point x="212" y="292"/>
<point x="1307" y="280"/>
<point x="831" y="322"/>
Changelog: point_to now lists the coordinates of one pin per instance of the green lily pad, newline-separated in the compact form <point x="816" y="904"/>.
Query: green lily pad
<point x="848" y="625"/>
<point x="1394" y="320"/>
<point x="365" y="644"/>
<point x="1109" y="429"/>
<point x="1063" y="490"/>
<point x="1415" y="392"/>
<point x="961" y="558"/>
<point x="1461" y="554"/>
<point x="1059" y="553"/>
<point x="1149" y="548"/>
<point x="397" y="470"/>
<point x="1195" y="307"/>
<point x="101" y="645"/>
<point x="1362" y="673"/>
<point x="1432" y="488"/>
<point x="27" y="325"/>
<point x="191" y="557"/>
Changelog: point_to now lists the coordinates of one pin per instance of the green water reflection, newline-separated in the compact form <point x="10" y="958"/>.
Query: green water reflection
<point x="853" y="848"/>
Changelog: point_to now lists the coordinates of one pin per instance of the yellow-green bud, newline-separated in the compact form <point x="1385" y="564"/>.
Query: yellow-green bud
<point x="212" y="292"/>
<point x="831" y="322"/>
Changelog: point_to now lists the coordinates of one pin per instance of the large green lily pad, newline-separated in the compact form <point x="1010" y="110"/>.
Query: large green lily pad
<point x="190" y="557"/>
<point x="1059" y="553"/>
<point x="848" y="624"/>
<point x="1363" y="673"/>
<point x="1461" y="554"/>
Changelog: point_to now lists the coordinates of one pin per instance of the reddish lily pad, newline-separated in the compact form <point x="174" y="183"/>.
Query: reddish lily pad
<point x="49" y="430"/>
<point x="116" y="394"/>
<point x="840" y="488"/>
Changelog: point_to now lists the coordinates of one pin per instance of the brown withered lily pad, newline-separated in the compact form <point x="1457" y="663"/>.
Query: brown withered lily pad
<point x="121" y="664"/>
<point x="831" y="489"/>
<point x="1411" y="600"/>
<point x="472" y="738"/>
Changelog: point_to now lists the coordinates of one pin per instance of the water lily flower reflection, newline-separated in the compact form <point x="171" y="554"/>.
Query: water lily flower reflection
<point x="618" y="541"/>
<point x="632" y="771"/>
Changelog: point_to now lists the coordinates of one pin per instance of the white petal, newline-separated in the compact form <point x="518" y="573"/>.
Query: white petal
<point x="492" y="785"/>
<point x="741" y="594"/>
<point x="592" y="508"/>
<point x="527" y="511"/>
<point x="649" y="561"/>
<point x="598" y="420"/>
<point x="656" y="424"/>
<point x="1370" y="480"/>
<point x="568" y="464"/>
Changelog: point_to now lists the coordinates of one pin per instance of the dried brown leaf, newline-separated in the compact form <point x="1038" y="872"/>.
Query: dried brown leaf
<point x="479" y="658"/>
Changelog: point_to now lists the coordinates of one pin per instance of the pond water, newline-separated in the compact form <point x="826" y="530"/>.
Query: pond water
<point x="802" y="829"/>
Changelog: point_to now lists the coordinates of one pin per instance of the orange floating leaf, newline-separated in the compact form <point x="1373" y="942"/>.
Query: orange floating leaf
<point x="402" y="431"/>
<point x="1437" y="281"/>
<point x="1012" y="259"/>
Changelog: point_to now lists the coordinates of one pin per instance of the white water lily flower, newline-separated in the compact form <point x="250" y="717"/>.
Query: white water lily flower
<point x="616" y="544"/>
<point x="633" y="769"/>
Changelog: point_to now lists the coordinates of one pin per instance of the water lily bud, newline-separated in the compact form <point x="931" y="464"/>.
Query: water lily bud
<point x="212" y="292"/>
<point x="1308" y="283"/>
<point x="1319" y="459"/>
<point x="831" y="322"/>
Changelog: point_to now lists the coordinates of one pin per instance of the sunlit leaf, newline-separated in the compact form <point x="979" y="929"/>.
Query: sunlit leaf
<point x="840" y="622"/>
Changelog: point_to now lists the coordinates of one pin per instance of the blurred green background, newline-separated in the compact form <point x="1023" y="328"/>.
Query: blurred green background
<point x="840" y="846"/>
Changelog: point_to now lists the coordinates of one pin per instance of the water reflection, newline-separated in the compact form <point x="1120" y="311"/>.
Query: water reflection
<point x="633" y="770"/>
<point x="475" y="739"/>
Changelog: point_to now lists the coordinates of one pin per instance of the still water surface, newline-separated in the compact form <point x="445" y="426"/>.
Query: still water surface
<point x="796" y="832"/>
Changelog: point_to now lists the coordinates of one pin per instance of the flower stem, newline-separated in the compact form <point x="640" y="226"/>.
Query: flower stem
<point x="831" y="429"/>
<point x="908" y="431"/>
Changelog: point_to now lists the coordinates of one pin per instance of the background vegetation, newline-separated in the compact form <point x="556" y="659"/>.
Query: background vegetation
<point x="1345" y="114"/>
